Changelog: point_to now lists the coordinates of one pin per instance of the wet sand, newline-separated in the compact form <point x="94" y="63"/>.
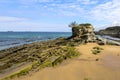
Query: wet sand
<point x="85" y="67"/>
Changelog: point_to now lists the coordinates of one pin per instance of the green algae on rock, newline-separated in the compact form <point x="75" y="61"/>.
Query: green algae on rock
<point x="39" y="55"/>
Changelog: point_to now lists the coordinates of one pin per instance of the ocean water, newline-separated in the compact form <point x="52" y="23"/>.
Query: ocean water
<point x="11" y="39"/>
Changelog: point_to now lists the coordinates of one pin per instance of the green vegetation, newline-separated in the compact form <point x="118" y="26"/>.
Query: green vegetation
<point x="61" y="55"/>
<point x="86" y="24"/>
<point x="50" y="57"/>
<point x="18" y="74"/>
<point x="74" y="24"/>
<point x="96" y="50"/>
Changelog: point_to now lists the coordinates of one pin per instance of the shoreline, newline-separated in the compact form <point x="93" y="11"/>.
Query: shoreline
<point x="17" y="45"/>
<point x="37" y="53"/>
<point x="32" y="42"/>
<point x="19" y="38"/>
<point x="108" y="38"/>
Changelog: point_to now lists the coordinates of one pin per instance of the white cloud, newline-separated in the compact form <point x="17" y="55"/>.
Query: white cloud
<point x="86" y="2"/>
<point x="115" y="23"/>
<point x="95" y="11"/>
<point x="33" y="26"/>
<point x="109" y="11"/>
<point x="29" y="2"/>
<point x="11" y="19"/>
<point x="44" y="0"/>
<point x="70" y="9"/>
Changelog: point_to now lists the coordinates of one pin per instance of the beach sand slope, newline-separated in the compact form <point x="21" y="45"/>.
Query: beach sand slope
<point x="103" y="66"/>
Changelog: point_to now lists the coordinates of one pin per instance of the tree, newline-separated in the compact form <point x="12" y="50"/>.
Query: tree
<point x="73" y="24"/>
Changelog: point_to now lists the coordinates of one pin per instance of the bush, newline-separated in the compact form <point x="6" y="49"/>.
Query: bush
<point x="96" y="50"/>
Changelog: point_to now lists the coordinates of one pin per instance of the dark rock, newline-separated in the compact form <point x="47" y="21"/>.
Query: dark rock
<point x="101" y="43"/>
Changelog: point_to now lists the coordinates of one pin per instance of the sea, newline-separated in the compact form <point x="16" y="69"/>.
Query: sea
<point x="11" y="39"/>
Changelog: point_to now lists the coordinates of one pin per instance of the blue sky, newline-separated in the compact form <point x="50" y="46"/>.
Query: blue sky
<point x="55" y="15"/>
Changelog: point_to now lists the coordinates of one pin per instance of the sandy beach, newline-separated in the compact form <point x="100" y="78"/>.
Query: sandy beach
<point x="84" y="67"/>
<point x="60" y="40"/>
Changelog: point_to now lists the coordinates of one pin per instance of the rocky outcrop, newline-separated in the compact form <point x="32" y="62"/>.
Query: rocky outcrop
<point x="84" y="32"/>
<point x="111" y="31"/>
<point x="81" y="34"/>
<point x="101" y="41"/>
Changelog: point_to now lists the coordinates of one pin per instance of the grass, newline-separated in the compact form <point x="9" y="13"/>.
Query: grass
<point x="72" y="52"/>
<point x="96" y="50"/>
<point x="46" y="64"/>
<point x="58" y="61"/>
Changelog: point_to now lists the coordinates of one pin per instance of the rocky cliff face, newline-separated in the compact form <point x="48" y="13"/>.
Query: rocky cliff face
<point x="84" y="32"/>
<point x="81" y="34"/>
<point x="111" y="31"/>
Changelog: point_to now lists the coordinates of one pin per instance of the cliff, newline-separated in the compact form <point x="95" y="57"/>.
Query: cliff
<point x="111" y="31"/>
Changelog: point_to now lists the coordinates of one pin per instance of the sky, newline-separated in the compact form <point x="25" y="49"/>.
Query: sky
<point x="56" y="15"/>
